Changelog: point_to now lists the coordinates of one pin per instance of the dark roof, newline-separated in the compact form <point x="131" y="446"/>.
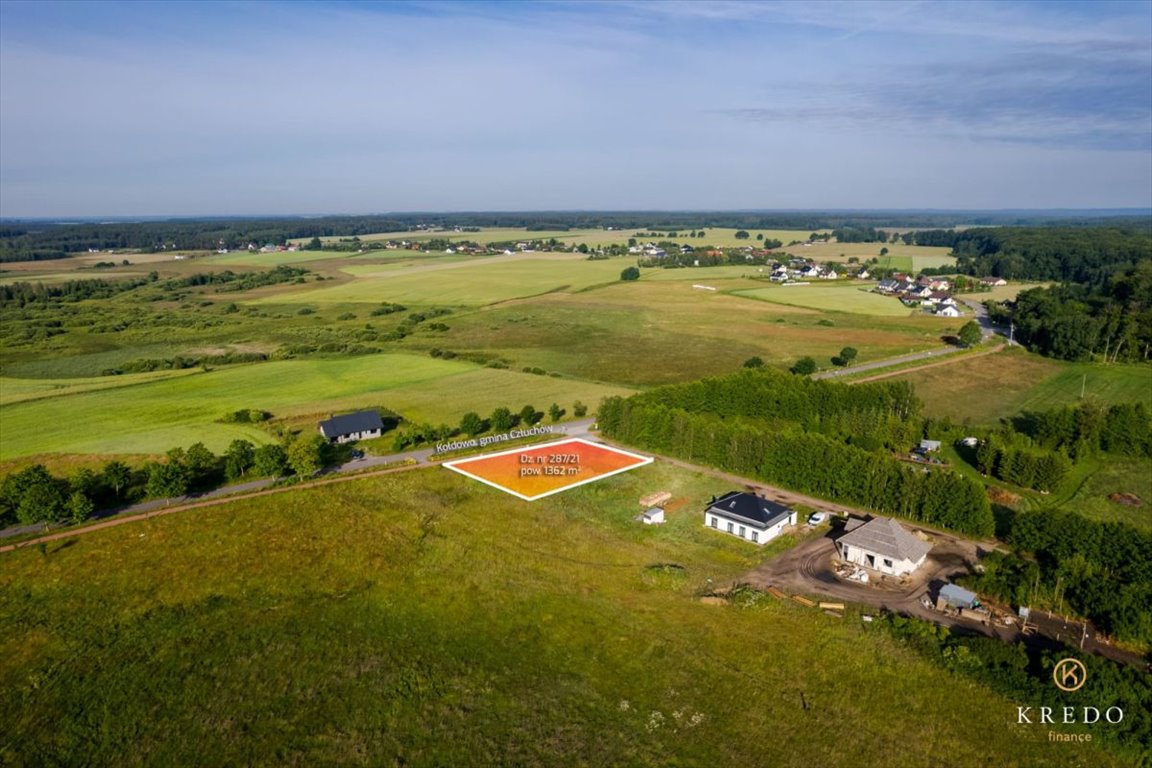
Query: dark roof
<point x="758" y="511"/>
<point x="361" y="421"/>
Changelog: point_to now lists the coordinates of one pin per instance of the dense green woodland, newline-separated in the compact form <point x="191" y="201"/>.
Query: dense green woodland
<point x="28" y="240"/>
<point x="1111" y="321"/>
<point x="819" y="437"/>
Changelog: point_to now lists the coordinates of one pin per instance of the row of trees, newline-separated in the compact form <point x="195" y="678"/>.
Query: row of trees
<point x="818" y="437"/>
<point x="1041" y="470"/>
<point x="472" y="424"/>
<point x="33" y="495"/>
<point x="1090" y="426"/>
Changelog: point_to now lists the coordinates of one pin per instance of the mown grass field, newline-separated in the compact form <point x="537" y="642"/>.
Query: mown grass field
<point x="422" y="619"/>
<point x="657" y="332"/>
<point x="839" y="298"/>
<point x="484" y="280"/>
<point x="986" y="389"/>
<point x="153" y="416"/>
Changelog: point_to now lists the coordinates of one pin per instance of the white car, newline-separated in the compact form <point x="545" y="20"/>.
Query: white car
<point x="817" y="517"/>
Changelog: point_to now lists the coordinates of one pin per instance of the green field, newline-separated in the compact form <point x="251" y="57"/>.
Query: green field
<point x="485" y="280"/>
<point x="840" y="298"/>
<point x="154" y="416"/>
<point x="422" y="619"/>
<point x="1002" y="292"/>
<point x="988" y="388"/>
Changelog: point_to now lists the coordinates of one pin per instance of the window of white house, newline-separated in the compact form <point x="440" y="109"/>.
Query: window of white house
<point x="887" y="563"/>
<point x="755" y="535"/>
<point x="715" y="522"/>
<point x="741" y="531"/>
<point x="729" y="527"/>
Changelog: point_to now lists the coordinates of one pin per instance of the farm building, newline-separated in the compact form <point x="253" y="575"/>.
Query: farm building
<point x="881" y="544"/>
<point x="748" y="516"/>
<point x="361" y="425"/>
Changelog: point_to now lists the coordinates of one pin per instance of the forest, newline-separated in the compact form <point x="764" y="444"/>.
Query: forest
<point x="1110" y="321"/>
<point x="1084" y="255"/>
<point x="824" y="438"/>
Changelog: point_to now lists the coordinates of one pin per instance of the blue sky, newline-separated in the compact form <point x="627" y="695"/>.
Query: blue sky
<point x="168" y="108"/>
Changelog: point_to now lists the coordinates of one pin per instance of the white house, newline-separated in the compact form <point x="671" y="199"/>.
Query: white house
<point x="881" y="544"/>
<point x="749" y="517"/>
<point x="948" y="310"/>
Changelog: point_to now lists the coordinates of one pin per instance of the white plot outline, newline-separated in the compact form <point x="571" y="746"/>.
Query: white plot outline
<point x="641" y="461"/>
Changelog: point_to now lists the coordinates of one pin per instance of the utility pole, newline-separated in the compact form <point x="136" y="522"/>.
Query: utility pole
<point x="1011" y="332"/>
<point x="1083" y="383"/>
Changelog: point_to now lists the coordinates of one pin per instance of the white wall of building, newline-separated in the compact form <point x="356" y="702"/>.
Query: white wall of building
<point x="879" y="563"/>
<point x="742" y="530"/>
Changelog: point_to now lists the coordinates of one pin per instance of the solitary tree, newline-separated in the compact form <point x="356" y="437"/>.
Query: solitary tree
<point x="502" y="419"/>
<point x="116" y="476"/>
<point x="555" y="412"/>
<point x="848" y="355"/>
<point x="167" y="480"/>
<point x="883" y="251"/>
<point x="579" y="410"/>
<point x="970" y="333"/>
<point x="528" y="415"/>
<point x="742" y="235"/>
<point x="269" y="461"/>
<point x="471" y="424"/>
<point x="238" y="459"/>
<point x="754" y="362"/>
<point x="306" y="454"/>
<point x="804" y="366"/>
<point x="630" y="273"/>
<point x="80" y="507"/>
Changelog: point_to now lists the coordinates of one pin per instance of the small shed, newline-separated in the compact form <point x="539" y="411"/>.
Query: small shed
<point x="654" y="516"/>
<point x="952" y="596"/>
<point x="929" y="446"/>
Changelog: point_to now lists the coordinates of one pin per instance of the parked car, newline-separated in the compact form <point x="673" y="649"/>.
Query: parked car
<point x="357" y="455"/>
<point x="817" y="517"/>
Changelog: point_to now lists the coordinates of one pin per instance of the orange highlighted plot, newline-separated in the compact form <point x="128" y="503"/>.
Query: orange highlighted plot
<point x="536" y="471"/>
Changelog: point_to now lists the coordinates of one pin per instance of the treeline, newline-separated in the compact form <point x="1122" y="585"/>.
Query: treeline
<point x="1086" y="255"/>
<point x="24" y="294"/>
<point x="1062" y="560"/>
<point x="24" y="240"/>
<point x="804" y="435"/>
<point x="33" y="495"/>
<point x="1037" y="449"/>
<point x="1111" y="321"/>
<point x="1089" y="427"/>
<point x="1023" y="674"/>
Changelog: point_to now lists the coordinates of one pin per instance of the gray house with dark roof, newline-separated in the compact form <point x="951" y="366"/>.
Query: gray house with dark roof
<point x="361" y="425"/>
<point x="748" y="517"/>
<point x="881" y="544"/>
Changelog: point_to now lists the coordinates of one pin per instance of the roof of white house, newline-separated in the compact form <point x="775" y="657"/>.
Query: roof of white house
<point x="887" y="538"/>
